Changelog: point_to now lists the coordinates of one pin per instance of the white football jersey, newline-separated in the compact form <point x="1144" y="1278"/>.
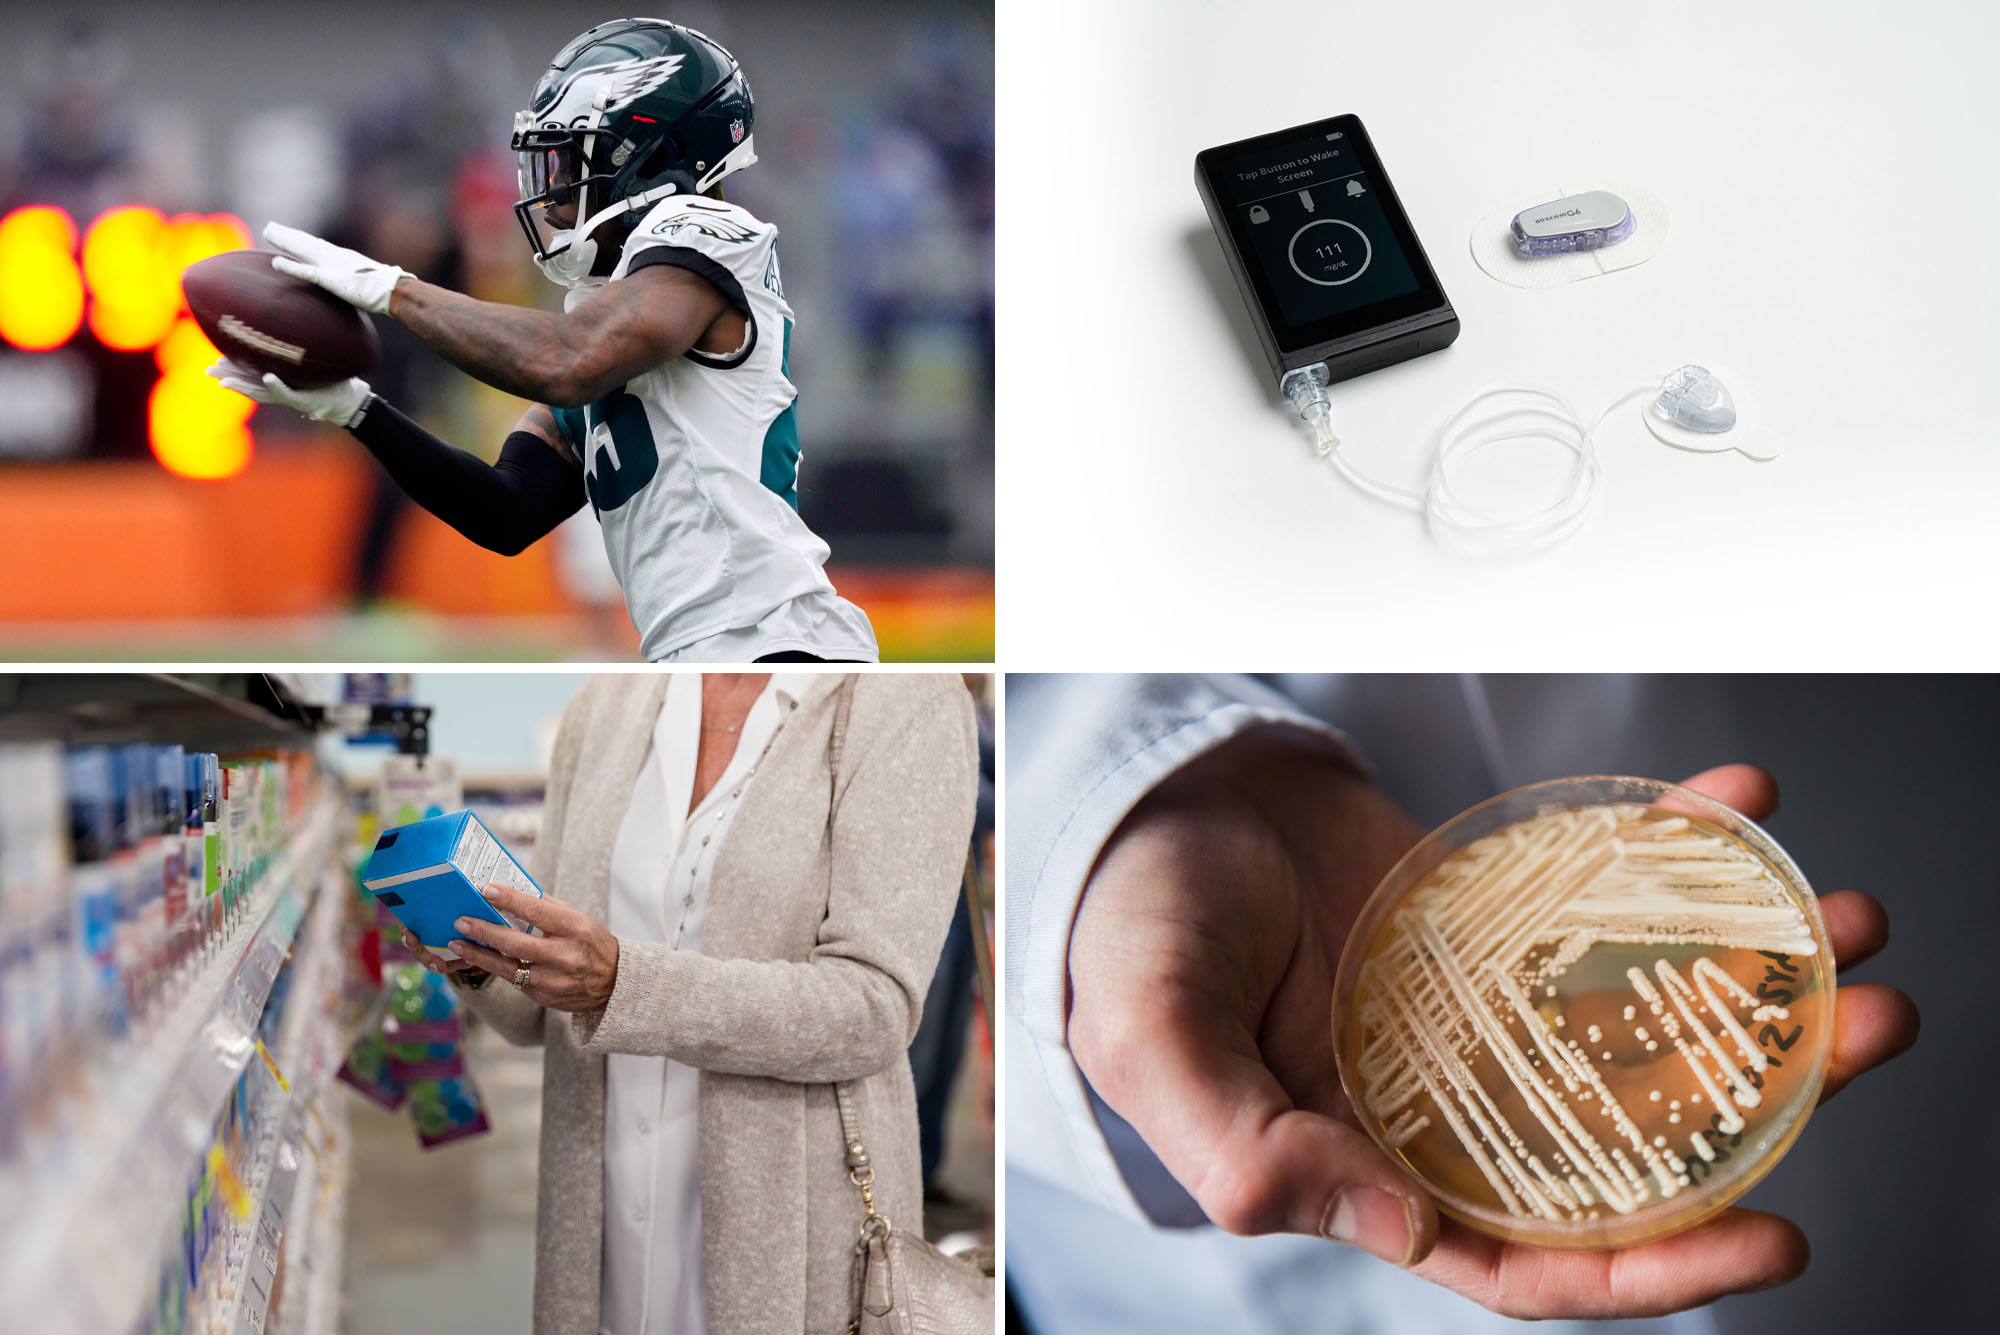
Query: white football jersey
<point x="692" y="468"/>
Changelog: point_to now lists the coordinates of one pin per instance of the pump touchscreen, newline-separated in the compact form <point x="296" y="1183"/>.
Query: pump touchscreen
<point x="1324" y="255"/>
<point x="1313" y="216"/>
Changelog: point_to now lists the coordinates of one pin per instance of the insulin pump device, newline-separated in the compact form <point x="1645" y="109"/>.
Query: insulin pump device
<point x="1322" y="251"/>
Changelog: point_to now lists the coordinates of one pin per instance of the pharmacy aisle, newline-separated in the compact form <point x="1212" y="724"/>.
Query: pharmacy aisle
<point x="174" y="989"/>
<point x="234" y="1100"/>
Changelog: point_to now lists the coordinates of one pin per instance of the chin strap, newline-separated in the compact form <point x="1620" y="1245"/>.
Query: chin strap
<point x="572" y="262"/>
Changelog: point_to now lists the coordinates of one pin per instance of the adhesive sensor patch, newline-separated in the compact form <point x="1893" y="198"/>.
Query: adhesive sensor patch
<point x="1571" y="234"/>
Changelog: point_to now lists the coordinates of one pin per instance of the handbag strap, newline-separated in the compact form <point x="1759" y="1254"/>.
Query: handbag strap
<point x="875" y="1227"/>
<point x="860" y="1170"/>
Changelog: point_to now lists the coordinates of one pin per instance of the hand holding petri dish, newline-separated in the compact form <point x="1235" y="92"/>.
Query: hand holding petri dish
<point x="1587" y="1013"/>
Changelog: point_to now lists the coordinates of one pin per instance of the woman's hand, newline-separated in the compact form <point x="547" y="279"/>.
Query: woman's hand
<point x="572" y="965"/>
<point x="436" y="963"/>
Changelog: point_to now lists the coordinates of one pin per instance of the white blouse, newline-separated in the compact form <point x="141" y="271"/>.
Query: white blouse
<point x="660" y="867"/>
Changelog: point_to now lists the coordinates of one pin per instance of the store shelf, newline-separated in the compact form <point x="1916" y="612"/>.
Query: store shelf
<point x="220" y="710"/>
<point x="308" y="1053"/>
<point x="313" y="1246"/>
<point x="80" y="1247"/>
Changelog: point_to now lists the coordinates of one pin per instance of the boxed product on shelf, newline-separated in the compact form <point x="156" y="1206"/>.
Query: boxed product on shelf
<point x="414" y="787"/>
<point x="93" y="826"/>
<point x="34" y="929"/>
<point x="197" y="808"/>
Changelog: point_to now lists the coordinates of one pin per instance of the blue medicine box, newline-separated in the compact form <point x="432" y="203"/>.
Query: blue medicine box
<point x="428" y="874"/>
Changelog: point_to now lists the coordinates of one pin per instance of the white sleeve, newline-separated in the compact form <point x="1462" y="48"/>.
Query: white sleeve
<point x="1081" y="751"/>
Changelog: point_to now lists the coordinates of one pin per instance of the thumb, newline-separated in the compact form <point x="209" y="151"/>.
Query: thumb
<point x="1203" y="1098"/>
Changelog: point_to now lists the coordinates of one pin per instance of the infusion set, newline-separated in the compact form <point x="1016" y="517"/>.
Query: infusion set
<point x="1322" y="251"/>
<point x="1337" y="286"/>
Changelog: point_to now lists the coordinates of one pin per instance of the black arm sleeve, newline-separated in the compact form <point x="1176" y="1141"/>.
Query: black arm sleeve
<point x="504" y="506"/>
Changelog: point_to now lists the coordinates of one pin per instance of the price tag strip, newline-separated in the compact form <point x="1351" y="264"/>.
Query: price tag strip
<point x="260" y="1276"/>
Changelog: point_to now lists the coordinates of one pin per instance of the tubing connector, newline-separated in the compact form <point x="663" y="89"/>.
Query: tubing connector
<point x="1306" y="388"/>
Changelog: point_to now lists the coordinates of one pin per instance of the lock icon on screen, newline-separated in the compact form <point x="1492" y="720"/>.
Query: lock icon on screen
<point x="1259" y="214"/>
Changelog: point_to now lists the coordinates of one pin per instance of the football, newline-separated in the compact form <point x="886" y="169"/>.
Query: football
<point x="273" y="322"/>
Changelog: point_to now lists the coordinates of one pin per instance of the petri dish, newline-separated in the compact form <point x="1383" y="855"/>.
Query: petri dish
<point x="1587" y="1013"/>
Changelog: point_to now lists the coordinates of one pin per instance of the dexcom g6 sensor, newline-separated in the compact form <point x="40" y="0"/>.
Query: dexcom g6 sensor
<point x="1589" y="221"/>
<point x="1324" y="255"/>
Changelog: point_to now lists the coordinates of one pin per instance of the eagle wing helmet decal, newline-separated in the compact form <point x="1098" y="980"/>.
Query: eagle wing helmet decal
<point x="629" y="80"/>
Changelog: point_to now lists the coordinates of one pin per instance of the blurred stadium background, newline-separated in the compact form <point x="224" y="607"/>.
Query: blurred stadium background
<point x="144" y="514"/>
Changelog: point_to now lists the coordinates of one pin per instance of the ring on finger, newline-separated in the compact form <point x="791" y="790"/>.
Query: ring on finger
<point x="521" y="974"/>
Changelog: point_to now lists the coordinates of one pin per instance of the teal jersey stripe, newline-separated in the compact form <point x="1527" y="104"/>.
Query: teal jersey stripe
<point x="574" y="429"/>
<point x="780" y="470"/>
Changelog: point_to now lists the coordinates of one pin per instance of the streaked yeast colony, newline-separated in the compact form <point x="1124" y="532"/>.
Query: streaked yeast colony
<point x="1588" y="1026"/>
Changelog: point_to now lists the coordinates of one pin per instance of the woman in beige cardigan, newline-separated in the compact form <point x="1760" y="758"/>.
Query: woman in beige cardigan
<point x="827" y="904"/>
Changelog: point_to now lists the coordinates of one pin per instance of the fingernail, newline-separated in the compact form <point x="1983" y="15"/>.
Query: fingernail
<point x="461" y="947"/>
<point x="1377" y="1222"/>
<point x="489" y="891"/>
<point x="464" y="925"/>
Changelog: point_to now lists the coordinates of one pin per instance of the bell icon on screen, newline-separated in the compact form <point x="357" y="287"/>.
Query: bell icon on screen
<point x="1354" y="188"/>
<point x="1258" y="213"/>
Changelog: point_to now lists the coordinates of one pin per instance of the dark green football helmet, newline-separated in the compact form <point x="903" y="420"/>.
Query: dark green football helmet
<point x="628" y="113"/>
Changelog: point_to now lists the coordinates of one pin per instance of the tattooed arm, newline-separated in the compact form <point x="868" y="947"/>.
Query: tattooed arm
<point x="622" y="330"/>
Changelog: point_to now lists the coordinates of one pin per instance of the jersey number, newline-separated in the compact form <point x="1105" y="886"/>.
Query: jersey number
<point x="619" y="457"/>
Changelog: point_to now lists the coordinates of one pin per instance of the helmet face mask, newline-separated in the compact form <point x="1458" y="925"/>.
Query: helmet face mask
<point x="629" y="113"/>
<point x="552" y="176"/>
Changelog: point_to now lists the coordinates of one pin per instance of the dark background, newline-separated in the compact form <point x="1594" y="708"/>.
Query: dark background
<point x="1891" y="787"/>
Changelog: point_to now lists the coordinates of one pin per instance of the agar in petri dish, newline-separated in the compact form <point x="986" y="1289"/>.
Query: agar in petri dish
<point x="1587" y="1013"/>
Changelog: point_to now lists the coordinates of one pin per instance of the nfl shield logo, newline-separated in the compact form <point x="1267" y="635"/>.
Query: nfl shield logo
<point x="736" y="132"/>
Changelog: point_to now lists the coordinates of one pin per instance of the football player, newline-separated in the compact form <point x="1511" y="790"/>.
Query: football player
<point x="663" y="391"/>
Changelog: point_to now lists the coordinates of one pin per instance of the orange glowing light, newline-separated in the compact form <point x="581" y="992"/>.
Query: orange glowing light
<point x="120" y="250"/>
<point x="41" y="293"/>
<point x="197" y="428"/>
<point x="132" y="327"/>
<point x="131" y="264"/>
<point x="185" y="348"/>
<point x="135" y="296"/>
<point x="43" y="222"/>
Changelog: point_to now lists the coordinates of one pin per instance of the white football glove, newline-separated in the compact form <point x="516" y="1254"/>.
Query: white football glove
<point x="338" y="403"/>
<point x="348" y="274"/>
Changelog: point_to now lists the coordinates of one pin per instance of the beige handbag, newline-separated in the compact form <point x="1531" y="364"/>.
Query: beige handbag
<point x="902" y="1284"/>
